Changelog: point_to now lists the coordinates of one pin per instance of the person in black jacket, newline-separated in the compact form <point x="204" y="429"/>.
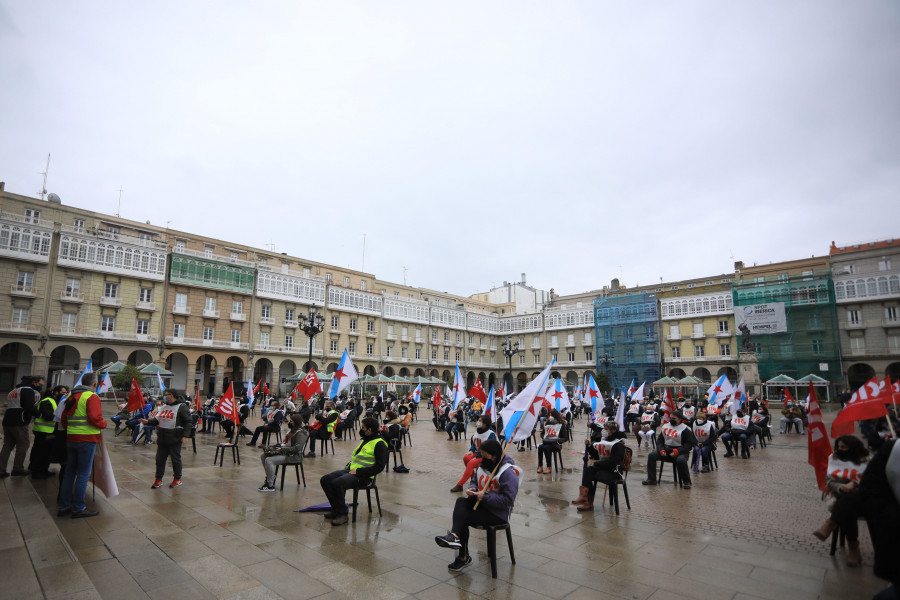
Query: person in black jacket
<point x="604" y="464"/>
<point x="675" y="442"/>
<point x="172" y="420"/>
<point x="45" y="431"/>
<point x="21" y="407"/>
<point x="243" y="415"/>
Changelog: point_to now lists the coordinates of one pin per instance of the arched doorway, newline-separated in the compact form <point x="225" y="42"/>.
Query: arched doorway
<point x="859" y="374"/>
<point x="893" y="371"/>
<point x="103" y="356"/>
<point x="677" y="373"/>
<point x="263" y="369"/>
<point x="419" y="373"/>
<point x="205" y="367"/>
<point x="234" y="373"/>
<point x="447" y="376"/>
<point x="15" y="363"/>
<point x="521" y="382"/>
<point x="730" y="372"/>
<point x="404" y="372"/>
<point x="470" y="380"/>
<point x="434" y="373"/>
<point x="554" y="375"/>
<point x="492" y="380"/>
<point x="139" y="357"/>
<point x="177" y="363"/>
<point x="310" y="365"/>
<point x="702" y="374"/>
<point x="370" y="371"/>
<point x="331" y="368"/>
<point x="63" y="358"/>
<point x="388" y="371"/>
<point x="285" y="370"/>
<point x="572" y="379"/>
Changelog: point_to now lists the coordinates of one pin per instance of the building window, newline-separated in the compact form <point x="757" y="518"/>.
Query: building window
<point x="587" y="337"/>
<point x="362" y="285"/>
<point x="698" y="329"/>
<point x="418" y="353"/>
<point x="857" y="345"/>
<point x="289" y="314"/>
<point x="79" y="225"/>
<point x="68" y="321"/>
<point x="346" y="282"/>
<point x="210" y="303"/>
<point x="818" y="346"/>
<point x="434" y="355"/>
<point x="554" y="341"/>
<point x="20" y="316"/>
<point x="403" y="352"/>
<point x="676" y="352"/>
<point x="181" y="300"/>
<point x="894" y="343"/>
<point x="404" y="331"/>
<point x="446" y="336"/>
<point x="178" y="330"/>
<point x="232" y="256"/>
<point x="285" y="268"/>
<point x="236" y="336"/>
<point x="111" y="290"/>
<point x="890" y="313"/>
<point x="458" y="338"/>
<point x="457" y="357"/>
<point x="25" y="281"/>
<point x="288" y="341"/>
<point x="208" y="252"/>
<point x="112" y="229"/>
<point x="237" y="307"/>
<point x="334" y="345"/>
<point x="328" y="277"/>
<point x="107" y="323"/>
<point x="390" y="351"/>
<point x="537" y="359"/>
<point x="555" y="357"/>
<point x="370" y="349"/>
<point x="853" y="317"/>
<point x="208" y="333"/>
<point x="471" y="339"/>
<point x="73" y="287"/>
<point x="335" y="322"/>
<point x="370" y="326"/>
<point x="723" y="327"/>
<point x="146" y="294"/>
<point x="32" y="216"/>
<point x="446" y="355"/>
<point x="699" y="351"/>
<point x="264" y="339"/>
<point x="571" y="357"/>
<point x="266" y="311"/>
<point x="725" y="349"/>
<point x="143" y="327"/>
<point x="179" y="247"/>
<point x="588" y="355"/>
<point x="262" y="262"/>
<point x="352" y="324"/>
<point x="884" y="264"/>
<point x="352" y="348"/>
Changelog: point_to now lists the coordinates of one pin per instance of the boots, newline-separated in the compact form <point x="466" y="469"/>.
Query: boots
<point x="854" y="558"/>
<point x="589" y="505"/>
<point x="825" y="531"/>
<point x="582" y="495"/>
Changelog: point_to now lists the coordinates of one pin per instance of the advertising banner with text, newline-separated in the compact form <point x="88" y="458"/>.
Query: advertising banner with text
<point x="761" y="318"/>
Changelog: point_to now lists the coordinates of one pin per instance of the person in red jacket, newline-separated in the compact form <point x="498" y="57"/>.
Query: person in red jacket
<point x="83" y="420"/>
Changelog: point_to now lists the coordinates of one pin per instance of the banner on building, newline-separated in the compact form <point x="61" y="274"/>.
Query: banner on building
<point x="761" y="318"/>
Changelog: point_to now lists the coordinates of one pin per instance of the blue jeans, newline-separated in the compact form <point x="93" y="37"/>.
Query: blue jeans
<point x="79" y="460"/>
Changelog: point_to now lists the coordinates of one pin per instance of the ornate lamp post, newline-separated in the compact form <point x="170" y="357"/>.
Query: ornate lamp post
<point x="312" y="326"/>
<point x="606" y="360"/>
<point x="510" y="349"/>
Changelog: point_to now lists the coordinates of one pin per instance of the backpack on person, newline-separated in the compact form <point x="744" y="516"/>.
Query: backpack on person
<point x="626" y="462"/>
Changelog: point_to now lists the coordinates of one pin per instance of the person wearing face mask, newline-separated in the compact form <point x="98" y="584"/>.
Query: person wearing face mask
<point x="472" y="458"/>
<point x="688" y="411"/>
<point x="368" y="460"/>
<point x="172" y="420"/>
<point x="555" y="433"/>
<point x="792" y="414"/>
<point x="495" y="497"/>
<point x="649" y="424"/>
<point x="736" y="430"/>
<point x="706" y="433"/>
<point x="44" y="430"/>
<point x="675" y="442"/>
<point x="21" y="406"/>
<point x="605" y="458"/>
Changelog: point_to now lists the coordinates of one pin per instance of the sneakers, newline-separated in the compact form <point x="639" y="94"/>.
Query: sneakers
<point x="648" y="482"/>
<point x="266" y="488"/>
<point x="460" y="563"/>
<point x="341" y="519"/>
<point x="148" y="442"/>
<point x="448" y="541"/>
<point x="331" y="515"/>
<point x="80" y="514"/>
<point x="456" y="488"/>
<point x="729" y="454"/>
<point x="62" y="512"/>
<point x="175" y="483"/>
<point x="156" y="484"/>
<point x="686" y="486"/>
<point x="310" y="455"/>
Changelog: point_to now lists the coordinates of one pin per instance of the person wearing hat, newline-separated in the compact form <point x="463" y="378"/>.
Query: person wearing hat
<point x="675" y="442"/>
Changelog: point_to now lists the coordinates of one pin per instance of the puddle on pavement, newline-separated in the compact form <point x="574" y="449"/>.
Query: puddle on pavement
<point x="553" y="505"/>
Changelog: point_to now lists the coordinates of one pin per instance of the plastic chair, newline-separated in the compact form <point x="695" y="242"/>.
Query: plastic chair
<point x="662" y="463"/>
<point x="235" y="453"/>
<point x="298" y="470"/>
<point x="491" y="531"/>
<point x="368" y="487"/>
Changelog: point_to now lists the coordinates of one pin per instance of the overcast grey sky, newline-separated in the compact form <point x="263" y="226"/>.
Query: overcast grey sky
<point x="470" y="141"/>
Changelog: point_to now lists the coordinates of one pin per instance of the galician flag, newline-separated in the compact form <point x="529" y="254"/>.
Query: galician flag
<point x="593" y="394"/>
<point x="250" y="395"/>
<point x="638" y="394"/>
<point x="345" y="375"/>
<point x="559" y="397"/>
<point x="162" y="387"/>
<point x="740" y="396"/>
<point x="521" y="413"/>
<point x="631" y="388"/>
<point x="417" y="393"/>
<point x="105" y="384"/>
<point x="459" y="389"/>
<point x="490" y="406"/>
<point x="720" y="390"/>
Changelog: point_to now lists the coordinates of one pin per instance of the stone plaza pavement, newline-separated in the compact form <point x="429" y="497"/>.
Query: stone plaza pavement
<point x="742" y="532"/>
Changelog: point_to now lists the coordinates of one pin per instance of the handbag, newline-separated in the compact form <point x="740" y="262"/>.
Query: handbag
<point x="272" y="451"/>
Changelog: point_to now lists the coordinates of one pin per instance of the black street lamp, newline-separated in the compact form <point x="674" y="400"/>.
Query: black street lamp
<point x="312" y="326"/>
<point x="510" y="349"/>
<point x="606" y="360"/>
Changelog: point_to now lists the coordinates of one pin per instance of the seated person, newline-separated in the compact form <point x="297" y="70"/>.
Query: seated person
<point x="845" y="470"/>
<point x="137" y="428"/>
<point x="675" y="442"/>
<point x="323" y="427"/>
<point x="706" y="434"/>
<point x="760" y="418"/>
<point x="495" y="497"/>
<point x="650" y="422"/>
<point x="274" y="419"/>
<point x="243" y="415"/>
<point x="737" y="430"/>
<point x="457" y="422"/>
<point x="483" y="433"/>
<point x="289" y="452"/>
<point x="604" y="465"/>
<point x="123" y="414"/>
<point x="405" y="413"/>
<point x="346" y="420"/>
<point x="689" y="411"/>
<point x="368" y="460"/>
<point x="632" y="413"/>
<point x="792" y="414"/>
<point x="555" y="433"/>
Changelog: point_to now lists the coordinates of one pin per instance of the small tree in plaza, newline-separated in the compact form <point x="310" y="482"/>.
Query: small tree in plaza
<point x="122" y="379"/>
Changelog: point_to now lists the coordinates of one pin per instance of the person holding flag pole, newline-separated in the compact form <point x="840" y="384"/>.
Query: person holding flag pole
<point x="172" y="421"/>
<point x="496" y="481"/>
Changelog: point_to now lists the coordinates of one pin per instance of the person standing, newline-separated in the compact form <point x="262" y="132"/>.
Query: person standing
<point x="83" y="420"/>
<point x="44" y="430"/>
<point x="21" y="407"/>
<point x="172" y="419"/>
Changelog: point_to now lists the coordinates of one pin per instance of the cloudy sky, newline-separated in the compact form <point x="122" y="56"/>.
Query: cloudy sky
<point x="469" y="141"/>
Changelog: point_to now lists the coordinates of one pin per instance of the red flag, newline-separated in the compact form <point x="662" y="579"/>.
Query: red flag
<point x="819" y="444"/>
<point x="265" y="388"/>
<point x="135" y="397"/>
<point x="787" y="395"/>
<point x="256" y="389"/>
<point x="868" y="402"/>
<point x="679" y="392"/>
<point x="309" y="386"/>
<point x="436" y="399"/>
<point x="477" y="391"/>
<point x="668" y="405"/>
<point x="197" y="396"/>
<point x="227" y="406"/>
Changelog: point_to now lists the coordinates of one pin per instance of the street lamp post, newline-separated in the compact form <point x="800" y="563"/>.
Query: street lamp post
<point x="312" y="326"/>
<point x="606" y="360"/>
<point x="510" y="349"/>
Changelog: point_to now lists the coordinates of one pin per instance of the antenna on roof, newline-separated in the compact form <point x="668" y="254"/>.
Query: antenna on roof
<point x="119" y="203"/>
<point x="404" y="274"/>
<point x="46" y="170"/>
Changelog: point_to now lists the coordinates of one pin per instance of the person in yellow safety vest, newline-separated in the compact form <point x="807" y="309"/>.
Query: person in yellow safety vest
<point x="368" y="460"/>
<point x="44" y="428"/>
<point x="323" y="428"/>
<point x="83" y="421"/>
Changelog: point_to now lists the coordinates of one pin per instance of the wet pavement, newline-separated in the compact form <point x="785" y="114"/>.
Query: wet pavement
<point x="741" y="532"/>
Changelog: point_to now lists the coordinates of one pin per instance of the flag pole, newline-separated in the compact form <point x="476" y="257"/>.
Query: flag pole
<point x="502" y="454"/>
